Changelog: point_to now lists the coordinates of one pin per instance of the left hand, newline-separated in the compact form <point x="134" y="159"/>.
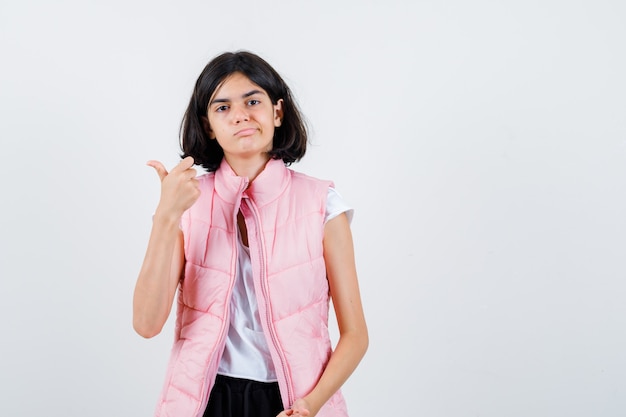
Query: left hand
<point x="299" y="408"/>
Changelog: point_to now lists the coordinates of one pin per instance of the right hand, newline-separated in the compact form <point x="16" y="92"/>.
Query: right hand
<point x="179" y="187"/>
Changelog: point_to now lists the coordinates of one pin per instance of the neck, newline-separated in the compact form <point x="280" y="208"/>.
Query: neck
<point x="248" y="168"/>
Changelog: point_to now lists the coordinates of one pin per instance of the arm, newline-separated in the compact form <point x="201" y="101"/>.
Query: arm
<point x="353" y="338"/>
<point x="164" y="260"/>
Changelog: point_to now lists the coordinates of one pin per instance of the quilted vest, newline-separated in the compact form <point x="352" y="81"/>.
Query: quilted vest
<point x="284" y="214"/>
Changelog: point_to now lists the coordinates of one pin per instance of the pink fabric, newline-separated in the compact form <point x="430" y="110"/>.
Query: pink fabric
<point x="284" y="212"/>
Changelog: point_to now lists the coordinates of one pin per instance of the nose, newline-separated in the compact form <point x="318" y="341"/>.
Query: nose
<point x="240" y="114"/>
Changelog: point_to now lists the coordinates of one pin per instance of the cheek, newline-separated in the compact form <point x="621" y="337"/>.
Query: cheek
<point x="216" y="124"/>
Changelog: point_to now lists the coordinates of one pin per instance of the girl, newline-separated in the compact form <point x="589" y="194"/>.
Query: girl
<point x="255" y="251"/>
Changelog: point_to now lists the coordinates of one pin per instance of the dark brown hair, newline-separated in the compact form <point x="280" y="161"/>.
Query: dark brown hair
<point x="290" y="139"/>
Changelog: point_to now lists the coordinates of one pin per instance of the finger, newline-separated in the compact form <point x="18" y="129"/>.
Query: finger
<point x="192" y="173"/>
<point x="300" y="409"/>
<point x="159" y="168"/>
<point x="184" y="164"/>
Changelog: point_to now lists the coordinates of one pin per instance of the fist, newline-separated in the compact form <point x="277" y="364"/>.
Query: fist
<point x="179" y="187"/>
<point x="300" y="408"/>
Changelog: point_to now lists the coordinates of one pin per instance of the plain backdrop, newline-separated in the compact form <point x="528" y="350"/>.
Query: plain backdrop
<point x="481" y="143"/>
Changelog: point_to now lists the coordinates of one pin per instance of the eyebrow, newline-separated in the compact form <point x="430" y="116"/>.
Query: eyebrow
<point x="246" y="95"/>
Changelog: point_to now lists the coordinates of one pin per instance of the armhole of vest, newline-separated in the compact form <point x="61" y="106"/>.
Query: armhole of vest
<point x="327" y="185"/>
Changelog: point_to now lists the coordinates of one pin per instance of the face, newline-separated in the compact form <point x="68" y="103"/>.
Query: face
<point x="242" y="118"/>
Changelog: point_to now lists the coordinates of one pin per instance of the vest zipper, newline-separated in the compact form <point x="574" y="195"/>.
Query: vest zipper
<point x="264" y="286"/>
<point x="204" y="401"/>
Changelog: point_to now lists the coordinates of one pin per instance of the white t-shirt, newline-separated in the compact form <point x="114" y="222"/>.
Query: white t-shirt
<point x="246" y="354"/>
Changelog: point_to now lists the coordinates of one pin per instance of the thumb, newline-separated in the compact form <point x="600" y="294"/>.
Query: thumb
<point x="159" y="168"/>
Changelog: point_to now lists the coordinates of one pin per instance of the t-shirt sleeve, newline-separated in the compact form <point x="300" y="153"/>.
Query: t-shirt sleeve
<point x="335" y="205"/>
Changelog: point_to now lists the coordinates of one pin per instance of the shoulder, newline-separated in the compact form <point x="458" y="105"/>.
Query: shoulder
<point x="206" y="179"/>
<point x="303" y="179"/>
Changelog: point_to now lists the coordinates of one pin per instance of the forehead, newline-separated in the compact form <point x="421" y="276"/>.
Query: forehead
<point x="235" y="86"/>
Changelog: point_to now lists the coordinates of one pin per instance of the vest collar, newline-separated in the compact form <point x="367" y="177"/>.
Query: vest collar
<point x="266" y="187"/>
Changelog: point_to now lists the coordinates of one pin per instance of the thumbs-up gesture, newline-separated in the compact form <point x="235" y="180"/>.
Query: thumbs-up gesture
<point x="179" y="187"/>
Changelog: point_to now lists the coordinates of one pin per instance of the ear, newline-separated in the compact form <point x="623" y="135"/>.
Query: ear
<point x="207" y="128"/>
<point x="278" y="113"/>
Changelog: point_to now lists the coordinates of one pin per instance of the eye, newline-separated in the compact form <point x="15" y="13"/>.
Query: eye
<point x="221" y="108"/>
<point x="253" y="102"/>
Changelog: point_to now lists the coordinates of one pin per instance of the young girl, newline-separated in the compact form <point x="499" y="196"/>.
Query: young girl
<point x="255" y="250"/>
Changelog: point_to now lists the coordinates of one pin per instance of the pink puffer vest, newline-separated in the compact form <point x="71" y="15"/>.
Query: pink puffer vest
<point x="284" y="213"/>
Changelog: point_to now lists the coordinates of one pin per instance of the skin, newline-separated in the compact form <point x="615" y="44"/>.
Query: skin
<point x="242" y="118"/>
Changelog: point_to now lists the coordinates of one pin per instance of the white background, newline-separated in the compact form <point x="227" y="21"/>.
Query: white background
<point x="482" y="143"/>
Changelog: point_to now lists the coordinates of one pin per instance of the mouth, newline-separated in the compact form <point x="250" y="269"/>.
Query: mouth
<point x="246" y="132"/>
